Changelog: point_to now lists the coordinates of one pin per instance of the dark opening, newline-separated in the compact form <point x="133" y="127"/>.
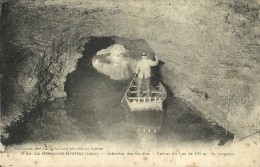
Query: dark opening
<point x="94" y="101"/>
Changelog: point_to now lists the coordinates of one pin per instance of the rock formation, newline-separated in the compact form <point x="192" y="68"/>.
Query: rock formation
<point x="210" y="49"/>
<point x="115" y="62"/>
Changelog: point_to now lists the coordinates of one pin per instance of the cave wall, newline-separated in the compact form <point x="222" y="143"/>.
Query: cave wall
<point x="210" y="49"/>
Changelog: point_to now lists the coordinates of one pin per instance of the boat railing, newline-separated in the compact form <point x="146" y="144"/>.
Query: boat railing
<point x="134" y="86"/>
<point x="146" y="91"/>
<point x="145" y="99"/>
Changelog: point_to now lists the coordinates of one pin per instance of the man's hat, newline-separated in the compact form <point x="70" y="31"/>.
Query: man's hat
<point x="144" y="54"/>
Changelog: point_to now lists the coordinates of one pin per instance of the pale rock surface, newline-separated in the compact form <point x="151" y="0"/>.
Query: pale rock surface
<point x="114" y="62"/>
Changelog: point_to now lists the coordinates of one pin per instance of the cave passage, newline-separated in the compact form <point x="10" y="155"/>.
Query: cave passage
<point x="92" y="96"/>
<point x="94" y="103"/>
<point x="93" y="111"/>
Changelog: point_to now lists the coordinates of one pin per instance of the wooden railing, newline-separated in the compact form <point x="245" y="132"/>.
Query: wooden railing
<point x="134" y="86"/>
<point x="146" y="91"/>
<point x="146" y="99"/>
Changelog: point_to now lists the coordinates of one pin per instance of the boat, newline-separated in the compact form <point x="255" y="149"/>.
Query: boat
<point x="143" y="102"/>
<point x="145" y="112"/>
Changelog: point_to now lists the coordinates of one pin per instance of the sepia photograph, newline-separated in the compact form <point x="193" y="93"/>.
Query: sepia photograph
<point x="109" y="83"/>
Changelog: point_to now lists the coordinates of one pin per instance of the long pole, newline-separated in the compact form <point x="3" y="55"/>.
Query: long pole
<point x="128" y="87"/>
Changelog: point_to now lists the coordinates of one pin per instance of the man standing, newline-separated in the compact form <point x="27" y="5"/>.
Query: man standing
<point x="143" y="69"/>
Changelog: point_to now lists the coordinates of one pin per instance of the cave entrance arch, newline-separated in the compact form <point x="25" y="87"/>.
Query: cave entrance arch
<point x="93" y="99"/>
